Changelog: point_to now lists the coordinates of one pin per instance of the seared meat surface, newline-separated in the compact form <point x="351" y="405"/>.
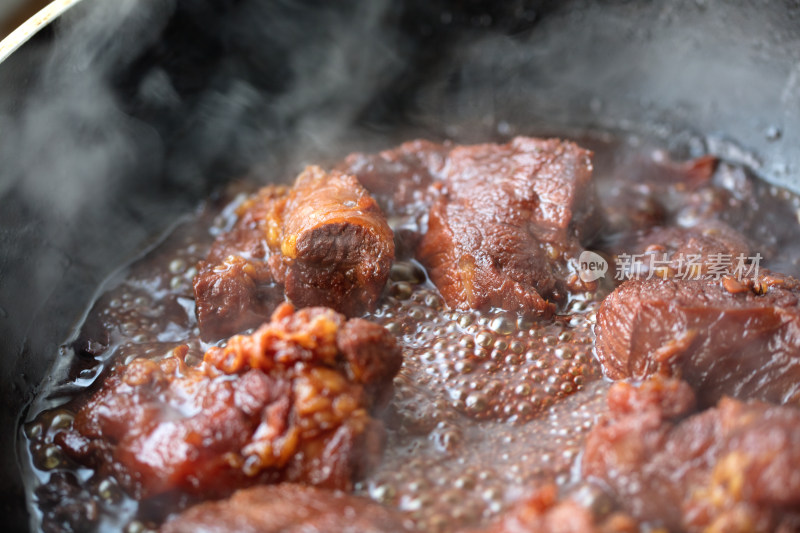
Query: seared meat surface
<point x="730" y="468"/>
<point x="722" y="337"/>
<point x="509" y="221"/>
<point x="404" y="180"/>
<point x="323" y="242"/>
<point x="496" y="224"/>
<point x="234" y="295"/>
<point x="336" y="248"/>
<point x="287" y="508"/>
<point x="234" y="288"/>
<point x="291" y="402"/>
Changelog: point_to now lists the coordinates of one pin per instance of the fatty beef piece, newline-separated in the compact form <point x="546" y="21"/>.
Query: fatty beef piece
<point x="724" y="337"/>
<point x="287" y="508"/>
<point x="508" y="223"/>
<point x="291" y="402"/>
<point x="731" y="468"/>
<point x="322" y="242"/>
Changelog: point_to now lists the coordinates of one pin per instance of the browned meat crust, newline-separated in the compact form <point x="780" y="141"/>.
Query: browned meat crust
<point x="508" y="223"/>
<point x="234" y="287"/>
<point x="290" y="402"/>
<point x="323" y="242"/>
<point x="720" y="336"/>
<point x="336" y="249"/>
<point x="730" y="468"/>
<point x="405" y="179"/>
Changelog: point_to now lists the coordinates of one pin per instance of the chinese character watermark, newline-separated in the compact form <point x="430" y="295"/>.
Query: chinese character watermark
<point x="592" y="266"/>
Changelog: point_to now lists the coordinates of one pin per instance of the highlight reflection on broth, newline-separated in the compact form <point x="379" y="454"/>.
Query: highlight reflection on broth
<point x="198" y="397"/>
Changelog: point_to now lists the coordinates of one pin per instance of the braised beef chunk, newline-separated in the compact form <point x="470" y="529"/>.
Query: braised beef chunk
<point x="509" y="221"/>
<point x="542" y="511"/>
<point x="710" y="248"/>
<point x="331" y="243"/>
<point x="730" y="468"/>
<point x="290" y="402"/>
<point x="403" y="179"/>
<point x="477" y="265"/>
<point x="502" y="220"/>
<point x="287" y="508"/>
<point x="323" y="242"/>
<point x="234" y="295"/>
<point x="234" y="287"/>
<point x="722" y="337"/>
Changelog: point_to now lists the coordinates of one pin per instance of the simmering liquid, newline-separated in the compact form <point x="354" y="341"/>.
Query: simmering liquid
<point x="486" y="406"/>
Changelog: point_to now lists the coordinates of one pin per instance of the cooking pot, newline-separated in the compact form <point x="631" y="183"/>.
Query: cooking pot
<point x="121" y="116"/>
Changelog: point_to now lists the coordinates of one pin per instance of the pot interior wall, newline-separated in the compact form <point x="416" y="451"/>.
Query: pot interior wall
<point x="121" y="120"/>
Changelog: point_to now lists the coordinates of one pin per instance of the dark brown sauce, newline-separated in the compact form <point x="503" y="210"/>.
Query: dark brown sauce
<point x="486" y="406"/>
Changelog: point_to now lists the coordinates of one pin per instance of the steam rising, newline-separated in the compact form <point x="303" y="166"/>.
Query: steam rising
<point x="73" y="143"/>
<point x="142" y="107"/>
<point x="134" y="114"/>
<point x="282" y="75"/>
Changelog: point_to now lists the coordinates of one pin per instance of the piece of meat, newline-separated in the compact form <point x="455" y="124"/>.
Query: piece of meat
<point x="542" y="511"/>
<point x="287" y="508"/>
<point x="290" y="402"/>
<point x="322" y="242"/>
<point x="508" y="225"/>
<point x="234" y="287"/>
<point x="405" y="181"/>
<point x="722" y="337"/>
<point x="710" y="248"/>
<point x="402" y="179"/>
<point x="732" y="468"/>
<point x="528" y="200"/>
<point x="477" y="263"/>
<point x="504" y="223"/>
<point x="234" y="295"/>
<point x="331" y="243"/>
